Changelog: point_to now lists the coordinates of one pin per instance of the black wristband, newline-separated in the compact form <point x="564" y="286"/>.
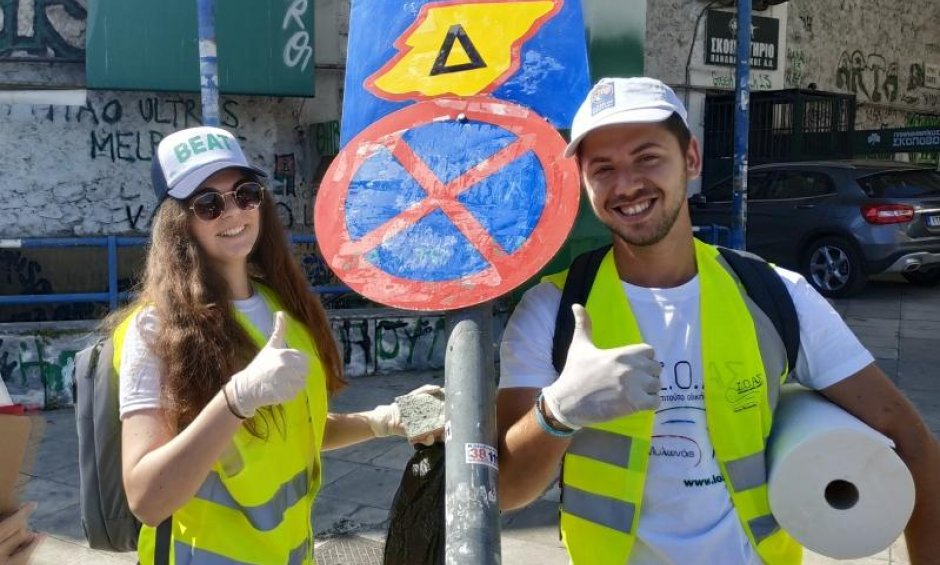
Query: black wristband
<point x="229" y="403"/>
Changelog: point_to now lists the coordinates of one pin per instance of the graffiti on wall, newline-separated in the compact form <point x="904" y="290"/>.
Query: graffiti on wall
<point x="115" y="131"/>
<point x="873" y="78"/>
<point x="725" y="79"/>
<point x="127" y="131"/>
<point x="38" y="370"/>
<point x="868" y="75"/>
<point x="42" y="28"/>
<point x="382" y="345"/>
<point x="285" y="171"/>
<point x="922" y="120"/>
<point x="313" y="265"/>
<point x="21" y="274"/>
<point x="795" y="67"/>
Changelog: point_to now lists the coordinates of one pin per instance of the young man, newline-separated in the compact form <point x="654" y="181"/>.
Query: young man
<point x="656" y="469"/>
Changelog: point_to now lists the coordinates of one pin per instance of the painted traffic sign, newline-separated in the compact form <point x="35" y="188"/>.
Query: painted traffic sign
<point x="446" y="204"/>
<point x="531" y="52"/>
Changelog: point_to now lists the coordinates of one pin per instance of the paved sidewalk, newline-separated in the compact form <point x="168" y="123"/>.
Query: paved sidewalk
<point x="898" y="322"/>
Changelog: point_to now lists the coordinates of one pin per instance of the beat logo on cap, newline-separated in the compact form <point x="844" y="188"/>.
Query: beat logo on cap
<point x="185" y="159"/>
<point x="202" y="143"/>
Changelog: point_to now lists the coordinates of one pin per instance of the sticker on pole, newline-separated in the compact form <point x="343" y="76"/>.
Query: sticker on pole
<point x="446" y="204"/>
<point x="481" y="454"/>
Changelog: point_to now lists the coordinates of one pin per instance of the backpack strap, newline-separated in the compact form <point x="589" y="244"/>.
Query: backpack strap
<point x="161" y="549"/>
<point x="764" y="286"/>
<point x="760" y="281"/>
<point x="578" y="285"/>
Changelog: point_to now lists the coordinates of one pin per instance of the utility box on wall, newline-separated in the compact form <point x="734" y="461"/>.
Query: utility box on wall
<point x="264" y="48"/>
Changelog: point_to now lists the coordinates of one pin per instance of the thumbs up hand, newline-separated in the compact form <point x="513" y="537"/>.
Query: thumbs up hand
<point x="598" y="385"/>
<point x="275" y="375"/>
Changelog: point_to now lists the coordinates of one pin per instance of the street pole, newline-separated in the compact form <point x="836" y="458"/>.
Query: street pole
<point x="742" y="96"/>
<point x="208" y="62"/>
<point x="471" y="502"/>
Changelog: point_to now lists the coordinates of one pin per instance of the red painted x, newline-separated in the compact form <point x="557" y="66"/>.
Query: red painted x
<point x="444" y="197"/>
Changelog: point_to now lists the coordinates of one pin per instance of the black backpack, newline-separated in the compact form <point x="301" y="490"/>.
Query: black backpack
<point x="759" y="279"/>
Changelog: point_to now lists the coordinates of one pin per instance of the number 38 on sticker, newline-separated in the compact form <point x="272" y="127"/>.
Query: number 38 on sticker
<point x="482" y="454"/>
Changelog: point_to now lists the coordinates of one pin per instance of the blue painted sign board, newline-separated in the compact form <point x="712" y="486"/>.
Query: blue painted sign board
<point x="530" y="52"/>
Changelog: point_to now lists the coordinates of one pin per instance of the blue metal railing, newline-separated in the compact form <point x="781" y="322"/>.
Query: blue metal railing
<point x="111" y="243"/>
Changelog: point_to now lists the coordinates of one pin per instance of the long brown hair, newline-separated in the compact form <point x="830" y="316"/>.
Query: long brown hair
<point x="200" y="342"/>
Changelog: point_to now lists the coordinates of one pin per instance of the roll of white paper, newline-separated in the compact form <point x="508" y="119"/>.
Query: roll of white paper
<point x="835" y="484"/>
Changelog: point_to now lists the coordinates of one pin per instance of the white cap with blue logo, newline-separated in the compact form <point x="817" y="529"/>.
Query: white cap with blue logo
<point x="615" y="101"/>
<point x="186" y="158"/>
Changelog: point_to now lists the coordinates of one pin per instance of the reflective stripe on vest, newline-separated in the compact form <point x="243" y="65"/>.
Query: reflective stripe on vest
<point x="265" y="516"/>
<point x="262" y="511"/>
<point x="744" y="362"/>
<point x="610" y="512"/>
<point x="186" y="555"/>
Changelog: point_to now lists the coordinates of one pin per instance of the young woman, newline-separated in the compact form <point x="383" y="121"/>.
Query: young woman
<point x="226" y="360"/>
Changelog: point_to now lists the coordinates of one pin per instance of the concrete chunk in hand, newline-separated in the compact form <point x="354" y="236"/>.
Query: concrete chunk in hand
<point x="422" y="411"/>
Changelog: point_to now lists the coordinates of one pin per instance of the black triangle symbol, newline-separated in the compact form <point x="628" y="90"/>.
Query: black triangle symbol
<point x="457" y="33"/>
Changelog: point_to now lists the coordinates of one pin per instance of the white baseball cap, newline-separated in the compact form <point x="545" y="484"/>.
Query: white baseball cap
<point x="624" y="101"/>
<point x="186" y="158"/>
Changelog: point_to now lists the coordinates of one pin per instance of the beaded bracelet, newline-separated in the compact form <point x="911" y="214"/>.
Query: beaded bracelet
<point x="543" y="423"/>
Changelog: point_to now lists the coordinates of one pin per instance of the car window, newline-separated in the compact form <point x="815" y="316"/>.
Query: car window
<point x="799" y="184"/>
<point x="721" y="191"/>
<point x="902" y="184"/>
<point x="757" y="185"/>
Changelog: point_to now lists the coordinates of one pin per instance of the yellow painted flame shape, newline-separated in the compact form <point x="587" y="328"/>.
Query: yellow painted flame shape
<point x="495" y="29"/>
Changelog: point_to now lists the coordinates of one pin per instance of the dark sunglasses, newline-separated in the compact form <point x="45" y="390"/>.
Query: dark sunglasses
<point x="209" y="205"/>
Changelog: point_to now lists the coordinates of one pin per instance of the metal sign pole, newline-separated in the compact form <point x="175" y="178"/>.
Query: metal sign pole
<point x="208" y="62"/>
<point x="742" y="96"/>
<point x="471" y="504"/>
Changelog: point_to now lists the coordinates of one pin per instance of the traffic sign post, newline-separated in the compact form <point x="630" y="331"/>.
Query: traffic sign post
<point x="471" y="459"/>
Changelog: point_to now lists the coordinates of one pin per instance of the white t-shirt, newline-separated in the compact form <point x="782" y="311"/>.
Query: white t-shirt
<point x="141" y="373"/>
<point x="687" y="515"/>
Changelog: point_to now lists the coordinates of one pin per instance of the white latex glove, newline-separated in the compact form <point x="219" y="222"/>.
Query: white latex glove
<point x="598" y="385"/>
<point x="275" y="375"/>
<point x="385" y="419"/>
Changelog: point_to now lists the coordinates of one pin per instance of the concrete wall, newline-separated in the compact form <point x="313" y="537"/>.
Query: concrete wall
<point x="84" y="170"/>
<point x="878" y="50"/>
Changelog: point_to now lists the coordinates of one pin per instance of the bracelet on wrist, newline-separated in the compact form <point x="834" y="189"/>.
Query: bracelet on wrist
<point x="228" y="403"/>
<point x="548" y="424"/>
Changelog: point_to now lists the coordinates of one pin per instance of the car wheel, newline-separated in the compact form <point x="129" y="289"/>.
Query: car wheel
<point x="834" y="267"/>
<point x="923" y="277"/>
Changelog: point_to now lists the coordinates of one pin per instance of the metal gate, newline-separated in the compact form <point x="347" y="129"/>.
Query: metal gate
<point x="785" y="125"/>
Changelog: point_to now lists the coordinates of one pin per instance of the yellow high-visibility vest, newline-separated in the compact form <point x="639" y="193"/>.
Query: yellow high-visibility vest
<point x="744" y="363"/>
<point x="261" y="511"/>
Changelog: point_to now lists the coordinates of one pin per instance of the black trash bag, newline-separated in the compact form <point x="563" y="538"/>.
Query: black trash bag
<point x="416" y="520"/>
